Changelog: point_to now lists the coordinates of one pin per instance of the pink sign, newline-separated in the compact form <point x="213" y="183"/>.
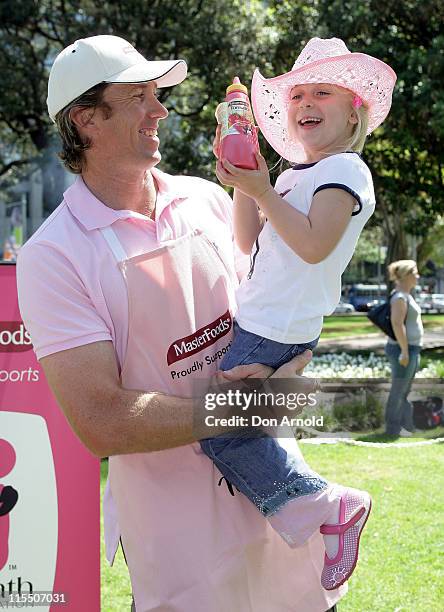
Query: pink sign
<point x="49" y="483"/>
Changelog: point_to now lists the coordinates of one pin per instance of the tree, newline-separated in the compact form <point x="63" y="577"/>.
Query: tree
<point x="204" y="33"/>
<point x="221" y="38"/>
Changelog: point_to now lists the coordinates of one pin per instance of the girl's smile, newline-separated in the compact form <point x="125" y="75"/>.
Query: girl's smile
<point x="309" y="122"/>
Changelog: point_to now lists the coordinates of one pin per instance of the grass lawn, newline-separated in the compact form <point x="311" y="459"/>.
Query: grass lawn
<point x="354" y="325"/>
<point x="380" y="436"/>
<point x="401" y="562"/>
<point x="115" y="588"/>
<point x="402" y="553"/>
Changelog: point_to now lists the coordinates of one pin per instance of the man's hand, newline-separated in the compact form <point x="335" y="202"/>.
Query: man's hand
<point x="246" y="380"/>
<point x="241" y="372"/>
<point x="293" y="368"/>
<point x="286" y="379"/>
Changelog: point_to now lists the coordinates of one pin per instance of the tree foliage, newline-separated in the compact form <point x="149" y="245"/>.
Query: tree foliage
<point x="222" y="38"/>
<point x="216" y="38"/>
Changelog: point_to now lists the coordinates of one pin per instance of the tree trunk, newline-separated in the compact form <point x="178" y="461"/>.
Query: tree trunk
<point x="396" y="246"/>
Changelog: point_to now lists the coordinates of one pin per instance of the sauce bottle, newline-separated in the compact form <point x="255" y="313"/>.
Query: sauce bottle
<point x="238" y="133"/>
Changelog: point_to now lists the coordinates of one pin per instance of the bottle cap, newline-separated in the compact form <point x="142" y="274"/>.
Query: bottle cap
<point x="237" y="86"/>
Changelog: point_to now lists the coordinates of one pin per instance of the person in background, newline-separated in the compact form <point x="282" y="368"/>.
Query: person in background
<point x="404" y="353"/>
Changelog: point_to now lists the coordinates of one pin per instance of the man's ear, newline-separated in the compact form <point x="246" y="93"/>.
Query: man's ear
<point x="82" y="117"/>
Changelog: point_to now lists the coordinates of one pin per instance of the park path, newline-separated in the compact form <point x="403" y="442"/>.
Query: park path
<point x="374" y="342"/>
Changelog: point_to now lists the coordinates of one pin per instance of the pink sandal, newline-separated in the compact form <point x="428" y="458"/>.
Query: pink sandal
<point x="354" y="510"/>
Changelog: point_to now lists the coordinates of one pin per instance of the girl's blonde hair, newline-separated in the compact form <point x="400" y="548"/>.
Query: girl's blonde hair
<point x="398" y="270"/>
<point x="357" y="140"/>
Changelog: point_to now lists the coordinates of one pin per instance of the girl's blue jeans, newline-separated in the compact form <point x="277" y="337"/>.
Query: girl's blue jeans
<point x="399" y="411"/>
<point x="251" y="460"/>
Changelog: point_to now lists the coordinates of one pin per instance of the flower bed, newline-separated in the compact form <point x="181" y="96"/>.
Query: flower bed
<point x="349" y="365"/>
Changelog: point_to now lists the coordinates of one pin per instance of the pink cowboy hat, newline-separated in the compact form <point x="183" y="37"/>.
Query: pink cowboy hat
<point x="321" y="61"/>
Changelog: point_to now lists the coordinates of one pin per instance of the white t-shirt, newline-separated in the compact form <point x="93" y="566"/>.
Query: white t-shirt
<point x="284" y="298"/>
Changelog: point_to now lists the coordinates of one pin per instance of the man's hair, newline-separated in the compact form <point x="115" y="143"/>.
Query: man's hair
<point x="73" y="146"/>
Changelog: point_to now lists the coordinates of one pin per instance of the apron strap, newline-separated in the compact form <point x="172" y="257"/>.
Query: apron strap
<point x="114" y="243"/>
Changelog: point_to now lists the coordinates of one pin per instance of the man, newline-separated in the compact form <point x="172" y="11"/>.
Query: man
<point x="127" y="290"/>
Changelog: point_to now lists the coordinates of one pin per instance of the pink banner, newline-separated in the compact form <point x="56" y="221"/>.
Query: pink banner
<point x="49" y="484"/>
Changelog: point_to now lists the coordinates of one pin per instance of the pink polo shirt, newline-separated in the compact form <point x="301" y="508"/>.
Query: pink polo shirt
<point x="70" y="290"/>
<point x="71" y="293"/>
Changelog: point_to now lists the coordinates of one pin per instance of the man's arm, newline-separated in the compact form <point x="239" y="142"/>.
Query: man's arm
<point x="109" y="419"/>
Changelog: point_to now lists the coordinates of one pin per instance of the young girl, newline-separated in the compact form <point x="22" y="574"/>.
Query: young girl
<point x="301" y="236"/>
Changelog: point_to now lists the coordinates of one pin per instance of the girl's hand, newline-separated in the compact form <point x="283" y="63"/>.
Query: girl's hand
<point x="404" y="359"/>
<point x="254" y="183"/>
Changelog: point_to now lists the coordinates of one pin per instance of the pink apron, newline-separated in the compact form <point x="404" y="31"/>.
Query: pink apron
<point x="193" y="543"/>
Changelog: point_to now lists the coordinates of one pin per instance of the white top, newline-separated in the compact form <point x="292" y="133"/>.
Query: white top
<point x="284" y="298"/>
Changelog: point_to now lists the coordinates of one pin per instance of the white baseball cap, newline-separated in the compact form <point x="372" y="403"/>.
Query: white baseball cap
<point x="104" y="59"/>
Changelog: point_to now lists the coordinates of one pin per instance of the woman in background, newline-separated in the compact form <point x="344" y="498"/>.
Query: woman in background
<point x="404" y="353"/>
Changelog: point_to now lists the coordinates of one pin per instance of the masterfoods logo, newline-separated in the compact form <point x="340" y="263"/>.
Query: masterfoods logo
<point x="13" y="337"/>
<point x="201" y="339"/>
